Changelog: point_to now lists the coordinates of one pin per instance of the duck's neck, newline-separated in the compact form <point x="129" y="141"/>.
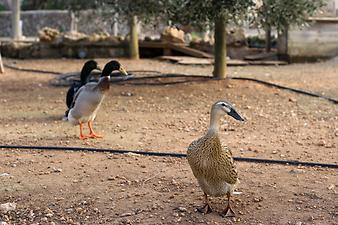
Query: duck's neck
<point x="85" y="76"/>
<point x="104" y="84"/>
<point x="214" y="124"/>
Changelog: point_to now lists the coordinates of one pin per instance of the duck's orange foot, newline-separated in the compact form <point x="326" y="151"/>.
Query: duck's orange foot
<point x="93" y="135"/>
<point x="83" y="137"/>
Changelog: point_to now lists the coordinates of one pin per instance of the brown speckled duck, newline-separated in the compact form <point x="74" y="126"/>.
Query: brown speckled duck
<point x="212" y="164"/>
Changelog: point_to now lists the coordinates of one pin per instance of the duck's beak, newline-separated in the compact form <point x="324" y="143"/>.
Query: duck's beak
<point x="123" y="71"/>
<point x="236" y="115"/>
<point x="98" y="68"/>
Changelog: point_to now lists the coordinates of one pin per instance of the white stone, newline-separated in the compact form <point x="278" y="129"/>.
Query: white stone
<point x="6" y="207"/>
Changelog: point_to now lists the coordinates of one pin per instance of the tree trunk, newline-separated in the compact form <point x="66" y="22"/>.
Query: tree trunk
<point x="220" y="66"/>
<point x="1" y="65"/>
<point x="268" y="39"/>
<point x="282" y="45"/>
<point x="133" y="44"/>
<point x="16" y="31"/>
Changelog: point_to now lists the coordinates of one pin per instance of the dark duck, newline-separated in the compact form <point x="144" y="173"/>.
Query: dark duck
<point x="89" y="97"/>
<point x="87" y="68"/>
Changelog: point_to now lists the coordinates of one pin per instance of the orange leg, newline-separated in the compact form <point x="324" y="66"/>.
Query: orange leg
<point x="82" y="137"/>
<point x="92" y="134"/>
<point x="228" y="212"/>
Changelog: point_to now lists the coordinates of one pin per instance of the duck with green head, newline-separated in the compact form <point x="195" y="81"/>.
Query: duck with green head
<point x="89" y="97"/>
<point x="87" y="68"/>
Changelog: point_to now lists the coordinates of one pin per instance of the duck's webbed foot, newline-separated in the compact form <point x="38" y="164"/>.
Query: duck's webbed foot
<point x="228" y="212"/>
<point x="206" y="208"/>
<point x="83" y="137"/>
<point x="92" y="134"/>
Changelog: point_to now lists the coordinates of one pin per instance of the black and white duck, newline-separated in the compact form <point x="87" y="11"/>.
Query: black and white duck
<point x="89" y="97"/>
<point x="87" y="68"/>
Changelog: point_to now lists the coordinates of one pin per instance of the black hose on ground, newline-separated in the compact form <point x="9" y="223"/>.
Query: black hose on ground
<point x="299" y="91"/>
<point x="169" y="154"/>
<point x="201" y="78"/>
<point x="30" y="70"/>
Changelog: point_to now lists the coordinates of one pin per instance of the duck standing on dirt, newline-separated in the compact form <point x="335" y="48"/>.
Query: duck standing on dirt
<point x="212" y="164"/>
<point x="87" y="68"/>
<point x="89" y="97"/>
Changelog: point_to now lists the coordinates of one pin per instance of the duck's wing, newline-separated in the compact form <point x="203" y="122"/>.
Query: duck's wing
<point x="227" y="150"/>
<point x="228" y="171"/>
<point x="88" y="95"/>
<point x="193" y="146"/>
<point x="70" y="94"/>
<point x="77" y="94"/>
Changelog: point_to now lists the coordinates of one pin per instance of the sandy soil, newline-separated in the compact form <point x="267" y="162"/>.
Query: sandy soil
<point x="98" y="188"/>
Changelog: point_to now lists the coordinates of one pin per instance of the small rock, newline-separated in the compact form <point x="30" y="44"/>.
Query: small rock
<point x="69" y="210"/>
<point x="57" y="170"/>
<point x="4" y="174"/>
<point x="31" y="214"/>
<point x="128" y="94"/>
<point x="292" y="100"/>
<point x="296" y="171"/>
<point x="125" y="214"/>
<point x="321" y="143"/>
<point x="257" y="199"/>
<point x="6" y="207"/>
<point x="182" y="209"/>
<point x="111" y="178"/>
<point x="298" y="223"/>
<point x="96" y="210"/>
<point x="3" y="223"/>
<point x="331" y="187"/>
<point x="49" y="215"/>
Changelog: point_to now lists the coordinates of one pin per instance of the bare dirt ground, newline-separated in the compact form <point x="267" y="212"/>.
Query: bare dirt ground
<point x="57" y="187"/>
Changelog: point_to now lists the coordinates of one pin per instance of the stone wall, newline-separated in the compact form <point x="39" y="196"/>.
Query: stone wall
<point x="88" y="22"/>
<point x="32" y="21"/>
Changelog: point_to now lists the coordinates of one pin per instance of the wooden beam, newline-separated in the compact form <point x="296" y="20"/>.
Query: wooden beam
<point x="189" y="51"/>
<point x="176" y="47"/>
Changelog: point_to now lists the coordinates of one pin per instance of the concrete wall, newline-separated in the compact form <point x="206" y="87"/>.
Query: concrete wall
<point x="319" y="40"/>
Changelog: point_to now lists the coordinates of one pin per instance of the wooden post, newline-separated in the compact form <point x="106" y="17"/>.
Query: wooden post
<point x="133" y="44"/>
<point x="1" y="65"/>
<point x="220" y="66"/>
<point x="115" y="25"/>
<point x="73" y="22"/>
<point x="16" y="29"/>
